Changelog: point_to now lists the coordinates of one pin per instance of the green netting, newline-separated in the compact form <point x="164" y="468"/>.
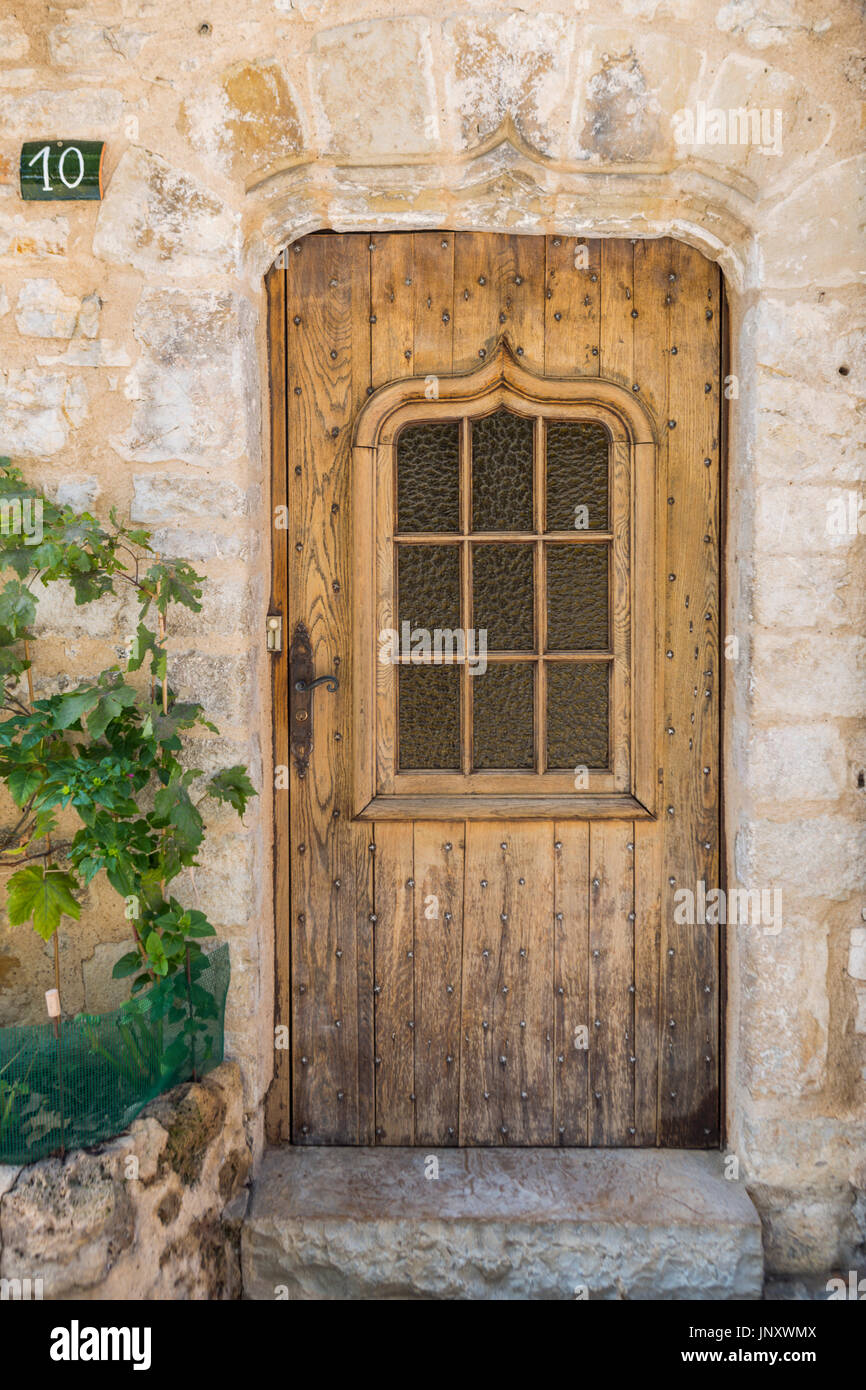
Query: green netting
<point x="74" y="1087"/>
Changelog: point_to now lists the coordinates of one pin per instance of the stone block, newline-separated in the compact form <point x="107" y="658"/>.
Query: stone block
<point x="31" y="234"/>
<point x="162" y="221"/>
<point x="90" y="46"/>
<point x="808" y="678"/>
<point x="200" y="546"/>
<point x="809" y="341"/>
<point x="819" y="857"/>
<point x="195" y="386"/>
<point x="790" y="591"/>
<point x="812" y="236"/>
<point x="630" y="85"/>
<point x="797" y="762"/>
<point x="14" y="43"/>
<point x="516" y="65"/>
<point x="374" y="86"/>
<point x="792" y="125"/>
<point x="247" y="121"/>
<point x="44" y="311"/>
<point x="89" y="113"/>
<point x="802" y="520"/>
<point x="802" y="1231"/>
<point x="499" y="1224"/>
<point x="784" y="1011"/>
<point x="223" y="684"/>
<point x="805" y="431"/>
<point x="78" y="493"/>
<point x="37" y="409"/>
<point x="171" y="497"/>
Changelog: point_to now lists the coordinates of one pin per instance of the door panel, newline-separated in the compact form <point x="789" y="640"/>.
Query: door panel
<point x="518" y="981"/>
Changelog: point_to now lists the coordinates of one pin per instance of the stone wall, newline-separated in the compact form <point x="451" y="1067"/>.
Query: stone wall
<point x="156" y="1213"/>
<point x="134" y="367"/>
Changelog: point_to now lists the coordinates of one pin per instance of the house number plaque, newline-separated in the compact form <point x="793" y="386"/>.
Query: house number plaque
<point x="61" y="170"/>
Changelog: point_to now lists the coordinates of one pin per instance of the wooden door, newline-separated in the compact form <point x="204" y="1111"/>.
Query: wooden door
<point x="477" y="880"/>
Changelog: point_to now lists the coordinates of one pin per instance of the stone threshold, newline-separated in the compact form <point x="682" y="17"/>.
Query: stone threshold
<point x="368" y="1223"/>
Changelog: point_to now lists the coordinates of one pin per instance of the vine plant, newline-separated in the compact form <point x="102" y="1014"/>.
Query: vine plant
<point x="110" y="749"/>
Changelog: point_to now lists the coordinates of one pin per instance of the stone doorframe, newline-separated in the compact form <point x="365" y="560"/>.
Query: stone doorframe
<point x="796" y="1158"/>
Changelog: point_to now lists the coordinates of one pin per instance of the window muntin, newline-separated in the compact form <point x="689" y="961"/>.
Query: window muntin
<point x="538" y="587"/>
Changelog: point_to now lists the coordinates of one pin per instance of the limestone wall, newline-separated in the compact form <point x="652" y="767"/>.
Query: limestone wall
<point x="133" y="372"/>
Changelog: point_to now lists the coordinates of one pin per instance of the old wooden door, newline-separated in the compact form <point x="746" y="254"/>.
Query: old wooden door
<point x="477" y="858"/>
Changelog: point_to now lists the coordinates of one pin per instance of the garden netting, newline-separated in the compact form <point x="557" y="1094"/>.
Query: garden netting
<point x="86" y="1080"/>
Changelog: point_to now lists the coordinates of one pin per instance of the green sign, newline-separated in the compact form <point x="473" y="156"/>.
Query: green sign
<point x="64" y="169"/>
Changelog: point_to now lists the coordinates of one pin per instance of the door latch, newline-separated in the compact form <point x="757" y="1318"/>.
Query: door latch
<point x="302" y="683"/>
<point x="274" y="631"/>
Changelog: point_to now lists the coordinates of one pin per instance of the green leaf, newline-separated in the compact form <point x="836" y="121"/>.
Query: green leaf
<point x="17" y="607"/>
<point x="172" y="803"/>
<point x="68" y="709"/>
<point x="43" y="895"/>
<point x="23" y="782"/>
<point x="234" y="786"/>
<point x="127" y="965"/>
<point x="110" y="707"/>
<point x="156" y="954"/>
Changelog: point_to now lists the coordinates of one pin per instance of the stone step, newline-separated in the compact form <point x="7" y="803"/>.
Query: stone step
<point x="327" y="1223"/>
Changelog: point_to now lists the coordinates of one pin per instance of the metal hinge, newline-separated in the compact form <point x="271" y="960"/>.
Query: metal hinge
<point x="275" y="632"/>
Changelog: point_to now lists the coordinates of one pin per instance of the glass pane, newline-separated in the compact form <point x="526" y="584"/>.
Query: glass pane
<point x="502" y="596"/>
<point x="578" y="714"/>
<point x="577" y="467"/>
<point x="428" y="477"/>
<point x="503" y="720"/>
<point x="429" y="723"/>
<point x="577" y="616"/>
<point x="428" y="586"/>
<point x="502" y="473"/>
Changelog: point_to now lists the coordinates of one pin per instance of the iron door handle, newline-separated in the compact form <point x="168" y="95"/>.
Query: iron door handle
<point x="302" y="683"/>
<point x="332" y="682"/>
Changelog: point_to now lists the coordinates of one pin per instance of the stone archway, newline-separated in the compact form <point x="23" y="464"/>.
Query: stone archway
<point x="505" y="184"/>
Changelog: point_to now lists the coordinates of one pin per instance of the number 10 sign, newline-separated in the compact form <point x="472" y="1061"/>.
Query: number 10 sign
<point x="64" y="169"/>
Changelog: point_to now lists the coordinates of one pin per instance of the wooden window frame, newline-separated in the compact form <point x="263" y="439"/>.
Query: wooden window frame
<point x="628" y="787"/>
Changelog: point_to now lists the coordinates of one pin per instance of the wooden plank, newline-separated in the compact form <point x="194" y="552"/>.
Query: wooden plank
<point x="616" y="347"/>
<point x="394" y="934"/>
<point x="433" y="276"/>
<point x="621" y="602"/>
<point x="279" y="1102"/>
<point x="364" y="847"/>
<point x="572" y="307"/>
<point x="429" y="806"/>
<point x="611" y="981"/>
<point x="498" y="293"/>
<point x="506" y="1070"/>
<point x="650" y="291"/>
<point x="647" y="962"/>
<point x="438" y="871"/>
<point x="327" y="306"/>
<point x="689" y="952"/>
<point x="571" y="983"/>
<point x="392" y="307"/>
